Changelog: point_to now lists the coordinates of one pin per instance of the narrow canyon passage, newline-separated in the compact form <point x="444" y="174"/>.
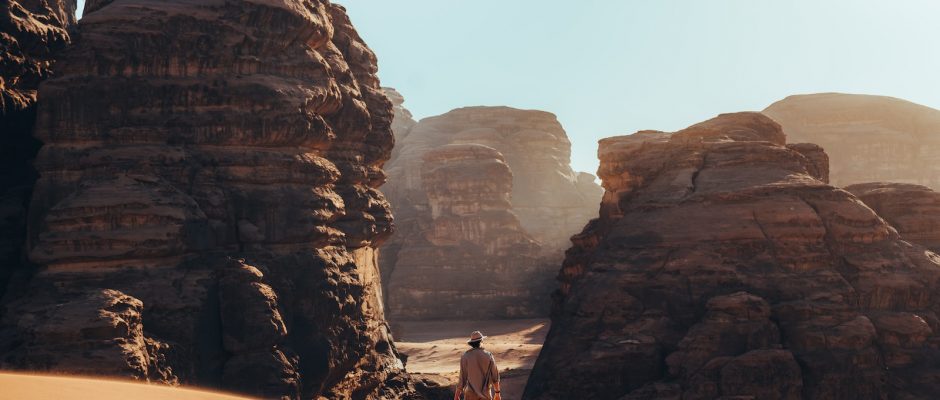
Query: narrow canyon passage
<point x="434" y="348"/>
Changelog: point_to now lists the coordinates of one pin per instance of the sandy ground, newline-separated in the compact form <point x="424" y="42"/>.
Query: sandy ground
<point x="53" y="387"/>
<point x="435" y="347"/>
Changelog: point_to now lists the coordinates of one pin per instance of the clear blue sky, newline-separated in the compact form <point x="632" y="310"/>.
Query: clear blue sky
<point x="617" y="66"/>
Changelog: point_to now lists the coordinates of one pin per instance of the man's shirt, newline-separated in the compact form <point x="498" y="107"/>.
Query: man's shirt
<point x="478" y="370"/>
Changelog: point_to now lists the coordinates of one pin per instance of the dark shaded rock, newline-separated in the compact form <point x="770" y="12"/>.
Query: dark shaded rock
<point x="97" y="332"/>
<point x="31" y="34"/>
<point x="217" y="163"/>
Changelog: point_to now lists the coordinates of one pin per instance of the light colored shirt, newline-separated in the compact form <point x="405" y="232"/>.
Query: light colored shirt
<point x="478" y="371"/>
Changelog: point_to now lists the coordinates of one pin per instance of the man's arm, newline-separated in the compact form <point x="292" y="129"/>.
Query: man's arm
<point x="461" y="382"/>
<point x="495" y="380"/>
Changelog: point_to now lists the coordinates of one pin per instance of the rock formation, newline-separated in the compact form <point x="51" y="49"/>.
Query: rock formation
<point x="549" y="200"/>
<point x="868" y="138"/>
<point x="403" y="121"/>
<point x="492" y="265"/>
<point x="207" y="211"/>
<point x="31" y="33"/>
<point x="913" y="210"/>
<point x="723" y="265"/>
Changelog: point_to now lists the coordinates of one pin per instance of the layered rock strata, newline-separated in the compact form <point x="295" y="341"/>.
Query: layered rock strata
<point x="913" y="210"/>
<point x="402" y="122"/>
<point x="869" y="138"/>
<point x="492" y="266"/>
<point x="723" y="266"/>
<point x="550" y="200"/>
<point x="31" y="34"/>
<point x="207" y="211"/>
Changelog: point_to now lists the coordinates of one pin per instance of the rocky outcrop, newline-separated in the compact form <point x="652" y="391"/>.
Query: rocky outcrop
<point x="208" y="211"/>
<point x="31" y="34"/>
<point x="868" y="138"/>
<point x="403" y="121"/>
<point x="722" y="265"/>
<point x="913" y="210"/>
<point x="551" y="202"/>
<point x="493" y="269"/>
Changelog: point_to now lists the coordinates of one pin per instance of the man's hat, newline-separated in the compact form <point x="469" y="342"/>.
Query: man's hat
<point x="476" y="336"/>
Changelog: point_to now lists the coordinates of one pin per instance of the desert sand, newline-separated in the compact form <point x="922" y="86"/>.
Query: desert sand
<point x="435" y="347"/>
<point x="52" y="387"/>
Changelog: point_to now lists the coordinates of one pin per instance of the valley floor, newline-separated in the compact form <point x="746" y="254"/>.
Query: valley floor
<point x="435" y="347"/>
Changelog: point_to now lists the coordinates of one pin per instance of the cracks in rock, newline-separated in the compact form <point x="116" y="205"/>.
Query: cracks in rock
<point x="763" y="231"/>
<point x="839" y="261"/>
<point x="659" y="270"/>
<point x="693" y="181"/>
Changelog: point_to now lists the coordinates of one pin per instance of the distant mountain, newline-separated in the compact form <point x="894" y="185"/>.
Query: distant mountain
<point x="868" y="138"/>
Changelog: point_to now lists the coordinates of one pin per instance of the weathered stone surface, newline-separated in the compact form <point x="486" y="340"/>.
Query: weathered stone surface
<point x="90" y="333"/>
<point x="913" y="210"/>
<point x="550" y="201"/>
<point x="31" y="34"/>
<point x="403" y="121"/>
<point x="868" y="138"/>
<point x="214" y="165"/>
<point x="722" y="266"/>
<point x="472" y="259"/>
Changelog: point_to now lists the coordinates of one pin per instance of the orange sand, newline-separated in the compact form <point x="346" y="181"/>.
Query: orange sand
<point x="58" y="387"/>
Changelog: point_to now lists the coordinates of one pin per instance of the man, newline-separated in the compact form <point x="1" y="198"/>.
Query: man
<point x="478" y="372"/>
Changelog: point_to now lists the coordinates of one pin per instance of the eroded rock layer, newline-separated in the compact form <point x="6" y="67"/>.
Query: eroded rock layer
<point x="491" y="265"/>
<point x="868" y="138"/>
<point x="913" y="210"/>
<point x="549" y="199"/>
<point x="402" y="121"/>
<point x="31" y="33"/>
<point x="207" y="211"/>
<point x="722" y="265"/>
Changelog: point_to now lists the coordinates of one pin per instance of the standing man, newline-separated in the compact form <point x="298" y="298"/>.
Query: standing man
<point x="478" y="372"/>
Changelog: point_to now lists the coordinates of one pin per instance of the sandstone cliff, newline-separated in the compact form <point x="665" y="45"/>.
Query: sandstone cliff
<point x="722" y="265"/>
<point x="913" y="210"/>
<point x="207" y="211"/>
<point x="471" y="259"/>
<point x="549" y="201"/>
<point x="31" y="33"/>
<point x="868" y="138"/>
<point x="403" y="121"/>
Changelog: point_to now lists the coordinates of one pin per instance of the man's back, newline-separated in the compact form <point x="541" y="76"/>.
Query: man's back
<point x="478" y="370"/>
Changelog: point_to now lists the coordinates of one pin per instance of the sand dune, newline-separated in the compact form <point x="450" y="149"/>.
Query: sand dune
<point x="57" y="387"/>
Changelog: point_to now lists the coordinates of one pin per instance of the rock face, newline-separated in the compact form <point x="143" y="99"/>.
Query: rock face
<point x="913" y="210"/>
<point x="493" y="265"/>
<point x="868" y="138"/>
<point x="722" y="265"/>
<point x="402" y="121"/>
<point x="207" y="211"/>
<point x="549" y="201"/>
<point x="31" y="33"/>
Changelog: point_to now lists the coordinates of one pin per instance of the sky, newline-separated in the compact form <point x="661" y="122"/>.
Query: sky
<point x="613" y="67"/>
